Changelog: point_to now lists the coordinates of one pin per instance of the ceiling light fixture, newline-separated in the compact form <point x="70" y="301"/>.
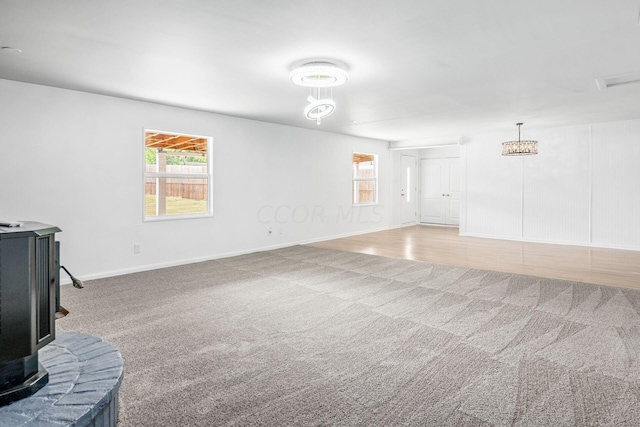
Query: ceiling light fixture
<point x="319" y="74"/>
<point x="319" y="109"/>
<point x="319" y="77"/>
<point x="519" y="147"/>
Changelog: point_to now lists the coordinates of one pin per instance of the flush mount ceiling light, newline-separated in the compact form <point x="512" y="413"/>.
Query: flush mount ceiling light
<point x="519" y="147"/>
<point x="319" y="74"/>
<point x="319" y="77"/>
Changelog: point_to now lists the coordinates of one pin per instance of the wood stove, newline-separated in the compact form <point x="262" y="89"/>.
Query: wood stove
<point x="29" y="288"/>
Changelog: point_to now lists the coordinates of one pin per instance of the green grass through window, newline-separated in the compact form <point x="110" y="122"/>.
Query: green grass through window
<point x="175" y="206"/>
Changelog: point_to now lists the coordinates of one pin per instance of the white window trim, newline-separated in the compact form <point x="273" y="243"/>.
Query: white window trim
<point x="208" y="176"/>
<point x="374" y="179"/>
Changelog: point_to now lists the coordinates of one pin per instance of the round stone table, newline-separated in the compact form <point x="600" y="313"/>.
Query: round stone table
<point x="85" y="374"/>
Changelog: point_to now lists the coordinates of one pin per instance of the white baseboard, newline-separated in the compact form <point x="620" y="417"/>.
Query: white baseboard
<point x="341" y="236"/>
<point x="551" y="242"/>
<point x="148" y="267"/>
<point x="428" y="224"/>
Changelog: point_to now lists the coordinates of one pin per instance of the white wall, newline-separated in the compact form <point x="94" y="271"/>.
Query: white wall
<point x="74" y="160"/>
<point x="582" y="188"/>
<point x="440" y="152"/>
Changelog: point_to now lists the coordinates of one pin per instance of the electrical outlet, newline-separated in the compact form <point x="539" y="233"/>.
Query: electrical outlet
<point x="136" y="248"/>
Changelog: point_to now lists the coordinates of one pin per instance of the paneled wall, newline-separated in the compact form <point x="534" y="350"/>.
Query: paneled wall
<point x="616" y="184"/>
<point x="582" y="188"/>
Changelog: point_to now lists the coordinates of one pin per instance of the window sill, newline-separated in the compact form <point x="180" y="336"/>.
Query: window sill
<point x="175" y="217"/>
<point x="364" y="204"/>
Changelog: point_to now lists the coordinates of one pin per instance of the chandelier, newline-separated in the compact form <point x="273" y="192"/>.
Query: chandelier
<point x="519" y="147"/>
<point x="320" y="78"/>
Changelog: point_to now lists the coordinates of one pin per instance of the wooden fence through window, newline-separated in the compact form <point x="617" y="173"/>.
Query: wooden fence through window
<point x="186" y="188"/>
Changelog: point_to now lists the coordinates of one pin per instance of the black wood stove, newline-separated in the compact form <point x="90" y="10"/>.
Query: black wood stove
<point x="29" y="289"/>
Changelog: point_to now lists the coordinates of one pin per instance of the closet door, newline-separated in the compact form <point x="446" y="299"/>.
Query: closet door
<point x="452" y="215"/>
<point x="440" y="182"/>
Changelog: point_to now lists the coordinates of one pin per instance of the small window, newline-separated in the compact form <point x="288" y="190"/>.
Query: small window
<point x="364" y="187"/>
<point x="177" y="178"/>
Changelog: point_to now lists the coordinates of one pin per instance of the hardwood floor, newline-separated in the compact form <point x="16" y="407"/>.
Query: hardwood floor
<point x="443" y="245"/>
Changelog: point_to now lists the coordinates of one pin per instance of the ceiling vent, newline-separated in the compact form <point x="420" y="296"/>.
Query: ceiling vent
<point x="618" y="80"/>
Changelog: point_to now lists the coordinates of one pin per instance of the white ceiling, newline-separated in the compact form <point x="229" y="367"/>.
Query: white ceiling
<point x="423" y="70"/>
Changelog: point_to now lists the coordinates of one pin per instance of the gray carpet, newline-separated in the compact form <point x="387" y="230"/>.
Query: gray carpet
<point x="304" y="336"/>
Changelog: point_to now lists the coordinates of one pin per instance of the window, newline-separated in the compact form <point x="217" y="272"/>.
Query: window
<point x="177" y="177"/>
<point x="364" y="187"/>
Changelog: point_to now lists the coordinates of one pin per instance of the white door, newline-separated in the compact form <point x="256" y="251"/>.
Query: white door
<point x="408" y="188"/>
<point x="452" y="215"/>
<point x="440" y="180"/>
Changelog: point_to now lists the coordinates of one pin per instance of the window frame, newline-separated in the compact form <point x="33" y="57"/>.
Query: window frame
<point x="374" y="179"/>
<point x="157" y="175"/>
